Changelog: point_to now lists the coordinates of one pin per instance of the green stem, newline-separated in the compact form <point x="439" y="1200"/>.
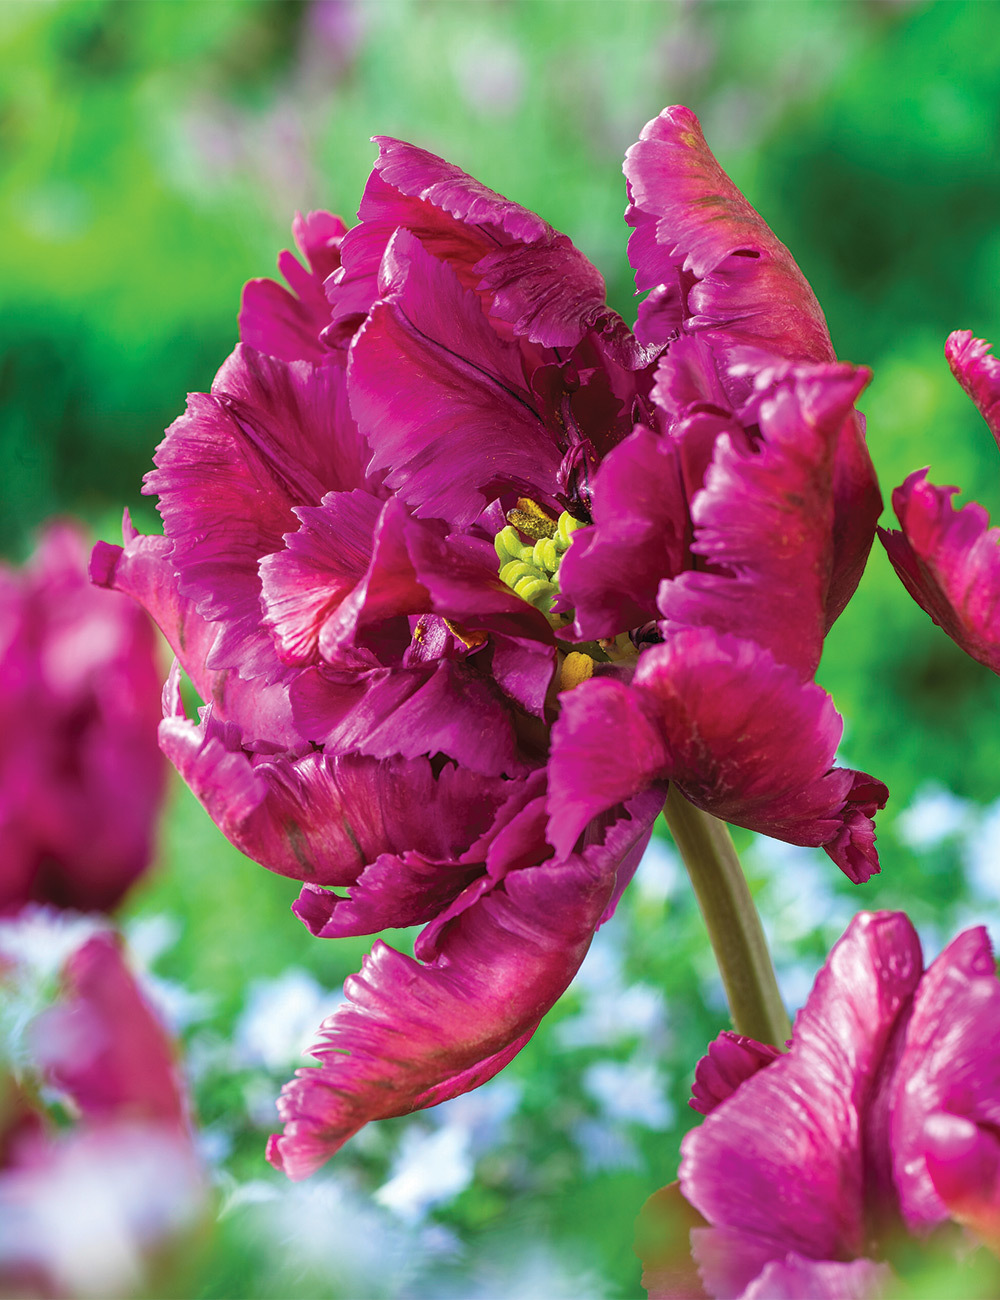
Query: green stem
<point x="731" y="917"/>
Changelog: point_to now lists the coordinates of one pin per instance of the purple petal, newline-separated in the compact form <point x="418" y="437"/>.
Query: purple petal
<point x="405" y="889"/>
<point x="288" y="324"/>
<point x="304" y="585"/>
<point x="781" y="1160"/>
<point x="740" y="734"/>
<point x="731" y="1060"/>
<point x="978" y="373"/>
<point x="273" y="435"/>
<point x="144" y="570"/>
<point x="612" y="572"/>
<point x="435" y="708"/>
<point x="441" y="397"/>
<point x="695" y="229"/>
<point x="764" y="522"/>
<point x="411" y="1035"/>
<point x="950" y="1062"/>
<point x="324" y="819"/>
<point x="949" y="562"/>
<point x="530" y="277"/>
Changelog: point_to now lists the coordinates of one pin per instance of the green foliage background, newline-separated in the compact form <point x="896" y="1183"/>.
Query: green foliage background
<point x="151" y="156"/>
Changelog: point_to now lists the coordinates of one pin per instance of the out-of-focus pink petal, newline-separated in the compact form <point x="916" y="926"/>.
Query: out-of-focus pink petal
<point x="795" y="1276"/>
<point x="731" y="1060"/>
<point x="742" y="736"/>
<point x="781" y="1160"/>
<point x="979" y="374"/>
<point x="949" y="562"/>
<point x="104" y="1046"/>
<point x="322" y="818"/>
<point x="695" y="229"/>
<point x="288" y="324"/>
<point x="764" y="522"/>
<point x="441" y="397"/>
<point x="949" y="1062"/>
<point x="272" y="435"/>
<point x="80" y="779"/>
<point x="410" y="1035"/>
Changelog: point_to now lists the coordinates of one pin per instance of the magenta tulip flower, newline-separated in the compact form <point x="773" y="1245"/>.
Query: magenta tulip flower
<point x="81" y="776"/>
<point x="443" y="524"/>
<point x="946" y="558"/>
<point x="876" y="1127"/>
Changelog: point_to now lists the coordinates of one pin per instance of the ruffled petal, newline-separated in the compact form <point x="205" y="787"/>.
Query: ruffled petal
<point x="103" y="1045"/>
<point x="950" y="1062"/>
<point x="694" y="229"/>
<point x="406" y="889"/>
<point x="272" y="435"/>
<point x="978" y="373"/>
<point x="611" y="573"/>
<point x="323" y="818"/>
<point x="442" y="707"/>
<point x="529" y="276"/>
<point x="144" y="570"/>
<point x="441" y="397"/>
<point x="731" y="1060"/>
<point x="410" y="1034"/>
<point x="304" y="585"/>
<point x="740" y="734"/>
<point x="781" y="1160"/>
<point x="764" y="522"/>
<point x="288" y="324"/>
<point x="949" y="562"/>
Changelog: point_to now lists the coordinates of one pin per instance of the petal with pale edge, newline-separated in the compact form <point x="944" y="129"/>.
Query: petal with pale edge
<point x="764" y="522"/>
<point x="288" y="324"/>
<point x="693" y="226"/>
<point x="779" y="1167"/>
<point x="272" y="435"/>
<point x="325" y="819"/>
<point x="950" y="1062"/>
<point x="979" y="374"/>
<point x="949" y="562"/>
<point x="441" y="397"/>
<point x="740" y="734"/>
<point x="410" y="1035"/>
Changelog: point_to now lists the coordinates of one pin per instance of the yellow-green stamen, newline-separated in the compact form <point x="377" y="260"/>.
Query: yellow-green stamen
<point x="532" y="570"/>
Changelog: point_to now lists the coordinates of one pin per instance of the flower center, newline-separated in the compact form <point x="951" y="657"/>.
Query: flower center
<point x="531" y="568"/>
